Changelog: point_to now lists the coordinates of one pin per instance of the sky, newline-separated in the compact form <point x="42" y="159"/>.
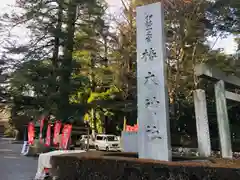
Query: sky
<point x="227" y="44"/>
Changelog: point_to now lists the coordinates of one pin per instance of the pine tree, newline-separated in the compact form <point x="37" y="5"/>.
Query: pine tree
<point x="53" y="25"/>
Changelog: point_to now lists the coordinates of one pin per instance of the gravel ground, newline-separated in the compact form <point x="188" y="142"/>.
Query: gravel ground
<point x="14" y="166"/>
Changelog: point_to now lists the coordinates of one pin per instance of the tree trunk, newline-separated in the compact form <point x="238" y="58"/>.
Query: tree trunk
<point x="66" y="65"/>
<point x="93" y="89"/>
<point x="55" y="56"/>
<point x="58" y="32"/>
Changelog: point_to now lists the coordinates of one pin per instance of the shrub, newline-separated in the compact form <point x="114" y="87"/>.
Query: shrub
<point x="122" y="166"/>
<point x="9" y="130"/>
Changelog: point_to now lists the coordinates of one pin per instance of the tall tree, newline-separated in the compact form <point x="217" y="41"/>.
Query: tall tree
<point x="226" y="17"/>
<point x="66" y="64"/>
<point x="49" y="38"/>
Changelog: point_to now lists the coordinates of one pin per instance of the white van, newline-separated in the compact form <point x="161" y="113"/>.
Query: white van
<point x="107" y="142"/>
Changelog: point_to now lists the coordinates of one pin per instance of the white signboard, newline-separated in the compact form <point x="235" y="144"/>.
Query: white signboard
<point x="153" y="120"/>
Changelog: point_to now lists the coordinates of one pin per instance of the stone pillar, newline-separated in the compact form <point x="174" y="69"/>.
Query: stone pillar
<point x="153" y="115"/>
<point x="223" y="122"/>
<point x="204" y="143"/>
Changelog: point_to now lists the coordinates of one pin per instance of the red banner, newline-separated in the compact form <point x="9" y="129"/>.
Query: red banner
<point x="48" y="136"/>
<point x="41" y="129"/>
<point x="31" y="133"/>
<point x="128" y="128"/>
<point x="66" y="133"/>
<point x="57" y="129"/>
<point x="135" y="127"/>
<point x="132" y="128"/>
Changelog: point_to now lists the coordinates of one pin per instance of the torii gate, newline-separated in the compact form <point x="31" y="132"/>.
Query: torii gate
<point x="221" y="95"/>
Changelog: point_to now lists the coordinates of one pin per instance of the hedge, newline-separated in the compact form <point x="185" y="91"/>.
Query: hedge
<point x="124" y="166"/>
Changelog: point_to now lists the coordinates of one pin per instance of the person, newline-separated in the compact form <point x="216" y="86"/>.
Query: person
<point x="25" y="148"/>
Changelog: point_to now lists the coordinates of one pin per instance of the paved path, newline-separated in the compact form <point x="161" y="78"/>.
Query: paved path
<point x="13" y="166"/>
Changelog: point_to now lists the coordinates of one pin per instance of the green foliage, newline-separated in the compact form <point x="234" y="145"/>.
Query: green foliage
<point x="10" y="131"/>
<point x="107" y="95"/>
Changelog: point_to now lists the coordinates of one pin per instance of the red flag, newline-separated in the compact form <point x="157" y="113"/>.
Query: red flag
<point x="135" y="127"/>
<point x="41" y="129"/>
<point x="31" y="133"/>
<point x="48" y="137"/>
<point x="128" y="128"/>
<point x="57" y="128"/>
<point x="66" y="133"/>
<point x="132" y="128"/>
